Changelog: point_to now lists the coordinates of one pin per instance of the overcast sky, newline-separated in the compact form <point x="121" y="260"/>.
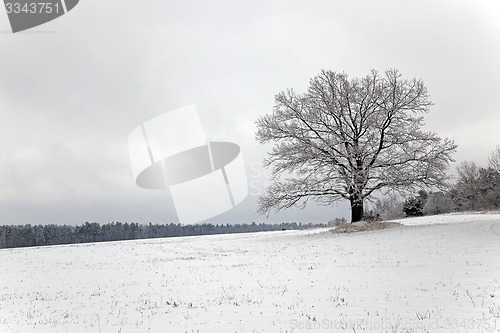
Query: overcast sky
<point x="72" y="90"/>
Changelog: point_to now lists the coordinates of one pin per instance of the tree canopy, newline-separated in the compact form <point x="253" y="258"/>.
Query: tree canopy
<point x="345" y="139"/>
<point x="494" y="159"/>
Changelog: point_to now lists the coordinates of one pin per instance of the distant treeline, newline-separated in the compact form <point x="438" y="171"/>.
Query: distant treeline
<point x="39" y="235"/>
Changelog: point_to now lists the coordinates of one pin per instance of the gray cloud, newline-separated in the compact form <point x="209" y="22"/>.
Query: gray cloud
<point x="70" y="97"/>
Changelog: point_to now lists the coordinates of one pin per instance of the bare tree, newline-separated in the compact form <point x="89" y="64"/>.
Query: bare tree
<point x="466" y="192"/>
<point x="494" y="159"/>
<point x="389" y="207"/>
<point x="468" y="172"/>
<point x="477" y="188"/>
<point x="438" y="203"/>
<point x="346" y="139"/>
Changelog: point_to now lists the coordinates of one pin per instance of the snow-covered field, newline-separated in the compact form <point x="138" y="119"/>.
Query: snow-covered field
<point x="422" y="278"/>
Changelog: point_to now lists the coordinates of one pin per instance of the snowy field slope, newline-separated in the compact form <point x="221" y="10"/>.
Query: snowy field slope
<point x="449" y="218"/>
<point x="429" y="278"/>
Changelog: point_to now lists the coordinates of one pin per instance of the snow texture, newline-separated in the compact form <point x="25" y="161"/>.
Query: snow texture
<point x="433" y="274"/>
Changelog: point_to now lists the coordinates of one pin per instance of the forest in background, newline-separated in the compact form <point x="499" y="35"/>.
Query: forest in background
<point x="12" y="236"/>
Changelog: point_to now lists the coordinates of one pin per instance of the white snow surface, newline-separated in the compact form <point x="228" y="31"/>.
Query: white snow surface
<point x="422" y="277"/>
<point x="449" y="218"/>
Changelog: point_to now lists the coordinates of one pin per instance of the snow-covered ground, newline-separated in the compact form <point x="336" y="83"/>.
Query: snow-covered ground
<point x="449" y="218"/>
<point x="428" y="278"/>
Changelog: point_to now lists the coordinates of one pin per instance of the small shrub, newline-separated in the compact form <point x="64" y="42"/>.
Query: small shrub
<point x="387" y="208"/>
<point x="337" y="221"/>
<point x="414" y="206"/>
<point x="371" y="215"/>
<point x="438" y="203"/>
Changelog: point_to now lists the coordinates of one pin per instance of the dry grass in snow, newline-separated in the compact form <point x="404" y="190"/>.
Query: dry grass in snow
<point x="422" y="278"/>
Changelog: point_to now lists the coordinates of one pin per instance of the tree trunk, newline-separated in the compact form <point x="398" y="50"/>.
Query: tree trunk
<point x="357" y="211"/>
